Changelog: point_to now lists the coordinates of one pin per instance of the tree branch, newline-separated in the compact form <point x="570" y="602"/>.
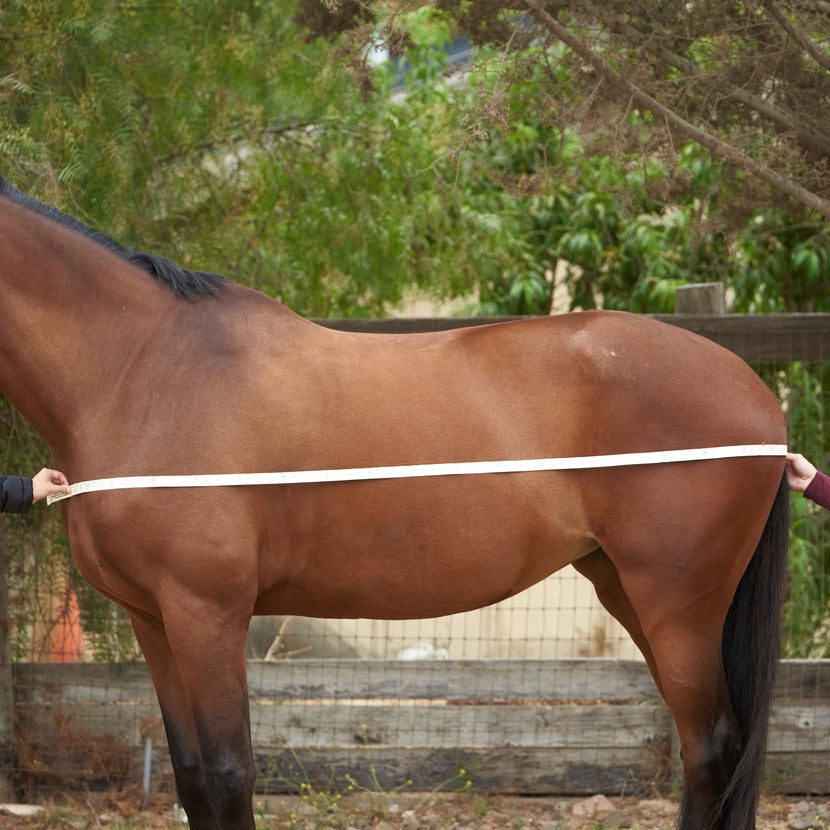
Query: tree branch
<point x="811" y="48"/>
<point x="784" y="119"/>
<point x="725" y="151"/>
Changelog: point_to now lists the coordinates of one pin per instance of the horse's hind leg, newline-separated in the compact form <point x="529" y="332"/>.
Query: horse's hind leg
<point x="683" y="651"/>
<point x="601" y="571"/>
<point x="204" y="704"/>
<point x="693" y="683"/>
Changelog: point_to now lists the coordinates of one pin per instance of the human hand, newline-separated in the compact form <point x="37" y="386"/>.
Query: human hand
<point x="800" y="472"/>
<point x="48" y="482"/>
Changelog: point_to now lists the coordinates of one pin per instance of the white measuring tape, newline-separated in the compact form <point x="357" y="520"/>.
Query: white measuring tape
<point x="584" y="462"/>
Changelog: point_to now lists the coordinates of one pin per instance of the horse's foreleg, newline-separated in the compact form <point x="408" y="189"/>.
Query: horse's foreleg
<point x="179" y="725"/>
<point x="204" y="705"/>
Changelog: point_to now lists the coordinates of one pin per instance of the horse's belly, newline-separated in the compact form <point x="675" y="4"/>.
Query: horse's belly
<point x="416" y="581"/>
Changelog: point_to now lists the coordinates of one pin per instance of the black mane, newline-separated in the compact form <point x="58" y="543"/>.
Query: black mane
<point x="186" y="285"/>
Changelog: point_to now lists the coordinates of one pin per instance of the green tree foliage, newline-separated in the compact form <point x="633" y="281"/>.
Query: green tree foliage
<point x="225" y="136"/>
<point x="637" y="208"/>
<point x="232" y="137"/>
<point x="802" y="391"/>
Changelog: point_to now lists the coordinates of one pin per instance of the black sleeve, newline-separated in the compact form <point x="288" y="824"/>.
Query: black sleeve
<point x="15" y="494"/>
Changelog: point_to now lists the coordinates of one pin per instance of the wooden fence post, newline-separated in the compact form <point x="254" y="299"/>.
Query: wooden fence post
<point x="7" y="736"/>
<point x="700" y="298"/>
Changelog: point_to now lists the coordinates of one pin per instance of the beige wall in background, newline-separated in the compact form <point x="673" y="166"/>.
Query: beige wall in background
<point x="559" y="617"/>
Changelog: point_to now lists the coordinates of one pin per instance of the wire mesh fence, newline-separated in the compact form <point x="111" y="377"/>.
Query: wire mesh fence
<point x="543" y="692"/>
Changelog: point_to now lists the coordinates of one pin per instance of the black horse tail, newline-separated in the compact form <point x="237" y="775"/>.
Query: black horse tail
<point x="751" y="648"/>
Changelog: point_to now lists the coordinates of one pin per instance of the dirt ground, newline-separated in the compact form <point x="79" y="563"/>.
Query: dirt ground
<point x="366" y="811"/>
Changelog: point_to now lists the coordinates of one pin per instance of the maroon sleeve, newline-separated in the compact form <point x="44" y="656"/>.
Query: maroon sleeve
<point x="818" y="490"/>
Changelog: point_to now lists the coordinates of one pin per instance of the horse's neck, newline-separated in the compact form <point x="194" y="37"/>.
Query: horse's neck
<point x="67" y="308"/>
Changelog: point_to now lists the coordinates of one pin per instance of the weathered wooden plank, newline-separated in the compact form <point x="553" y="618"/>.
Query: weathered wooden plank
<point x="344" y="725"/>
<point x="756" y="338"/>
<point x="407" y="725"/>
<point x="763" y="338"/>
<point x="66" y="721"/>
<point x="493" y="680"/>
<point x="807" y="680"/>
<point x="798" y="773"/>
<point x="527" y="770"/>
<point x="799" y="727"/>
<point x="505" y="769"/>
<point x="317" y="679"/>
<point x="99" y="682"/>
<point x="409" y="325"/>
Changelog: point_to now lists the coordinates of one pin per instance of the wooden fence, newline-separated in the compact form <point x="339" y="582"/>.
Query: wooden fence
<point x="570" y="727"/>
<point x="761" y="337"/>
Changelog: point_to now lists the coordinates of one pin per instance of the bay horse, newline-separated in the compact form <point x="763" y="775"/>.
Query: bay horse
<point x="123" y="377"/>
